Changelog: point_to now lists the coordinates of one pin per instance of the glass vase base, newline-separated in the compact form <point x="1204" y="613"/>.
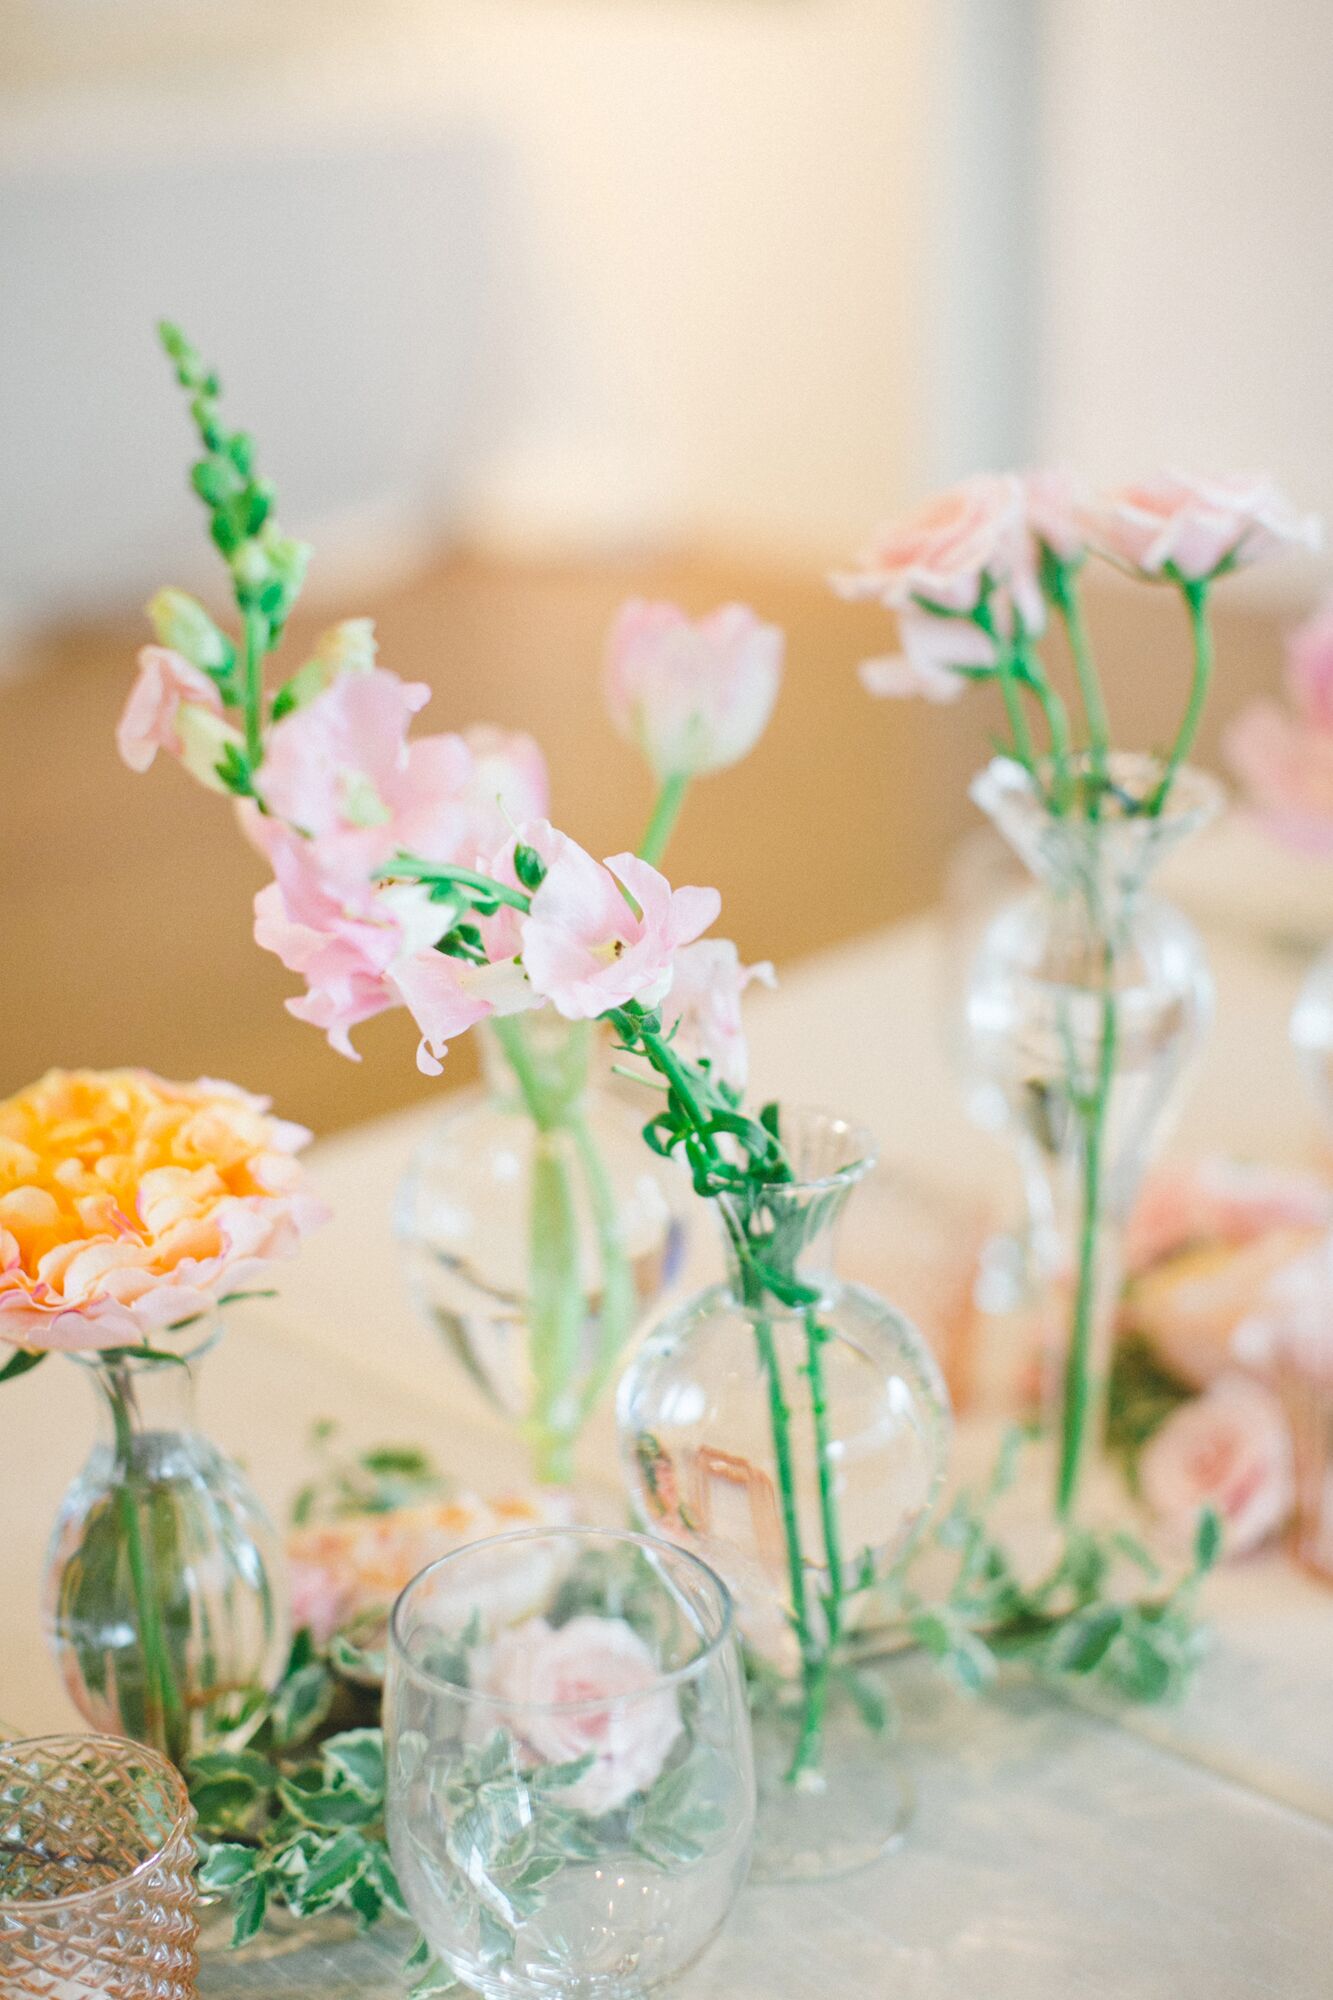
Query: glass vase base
<point x="852" y="1811"/>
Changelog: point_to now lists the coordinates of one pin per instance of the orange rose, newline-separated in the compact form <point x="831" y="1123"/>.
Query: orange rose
<point x="128" y="1204"/>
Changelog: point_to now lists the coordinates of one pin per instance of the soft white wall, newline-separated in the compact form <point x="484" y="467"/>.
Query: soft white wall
<point x="1188" y="251"/>
<point x="552" y="271"/>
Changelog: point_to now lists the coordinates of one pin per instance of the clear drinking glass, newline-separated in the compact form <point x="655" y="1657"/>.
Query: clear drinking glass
<point x="570" y="1782"/>
<point x="165" y="1592"/>
<point x="537" y="1228"/>
<point x="1086" y="999"/>
<point x="798" y="1447"/>
<point x="97" y="1888"/>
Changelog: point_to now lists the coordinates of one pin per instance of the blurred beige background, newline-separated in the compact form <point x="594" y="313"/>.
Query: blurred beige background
<point x="537" y="304"/>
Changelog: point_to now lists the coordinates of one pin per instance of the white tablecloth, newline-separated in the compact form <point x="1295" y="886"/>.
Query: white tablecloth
<point x="1183" y="1855"/>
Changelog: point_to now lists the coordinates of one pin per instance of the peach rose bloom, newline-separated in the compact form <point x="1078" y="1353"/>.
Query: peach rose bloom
<point x="347" y="1569"/>
<point x="588" y="1687"/>
<point x="1229" y="1450"/>
<point x="943" y="552"/>
<point x="128" y="1204"/>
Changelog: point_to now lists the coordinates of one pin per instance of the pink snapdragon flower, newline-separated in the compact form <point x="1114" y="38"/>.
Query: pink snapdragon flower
<point x="947" y="552"/>
<point x="587" y="1688"/>
<point x="587" y="947"/>
<point x="508" y="784"/>
<point x="1198" y="526"/>
<point x="175" y="706"/>
<point x="704" y="1006"/>
<point x="446" y="996"/>
<point x="1230" y="1450"/>
<point x="694" y="695"/>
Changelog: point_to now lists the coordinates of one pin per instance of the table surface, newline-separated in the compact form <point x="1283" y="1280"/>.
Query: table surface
<point x="1186" y="1854"/>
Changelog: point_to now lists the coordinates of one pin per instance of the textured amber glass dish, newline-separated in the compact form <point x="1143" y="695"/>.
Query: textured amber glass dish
<point x="97" y="1894"/>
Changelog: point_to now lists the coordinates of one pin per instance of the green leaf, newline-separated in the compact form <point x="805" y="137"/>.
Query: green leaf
<point x="381" y="1870"/>
<point x="302" y="1703"/>
<point x="559" y="1777"/>
<point x="357" y="1757"/>
<point x="21" y="1363"/>
<point x="327" y="1809"/>
<point x="1083" y="1642"/>
<point x="359" y="1663"/>
<point x="224" y="1803"/>
<point x="331" y="1874"/>
<point x="227" y="1864"/>
<point x="496" y="1943"/>
<point x="248" y="1907"/>
<point x="1207" y="1540"/>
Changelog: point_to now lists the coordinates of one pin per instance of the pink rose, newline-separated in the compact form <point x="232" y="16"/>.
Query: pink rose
<point x="1054" y="513"/>
<point x="1229" y="1450"/>
<point x="1217" y="1200"/>
<point x="694" y="695"/>
<point x="1310" y="668"/>
<point x="586" y="1688"/>
<point x="587" y="947"/>
<point x="949" y="549"/>
<point x="933" y="648"/>
<point x="175" y="706"/>
<point x="1286" y="768"/>
<point x="1291" y="1325"/>
<point x="704" y="1006"/>
<point x="1197" y="526"/>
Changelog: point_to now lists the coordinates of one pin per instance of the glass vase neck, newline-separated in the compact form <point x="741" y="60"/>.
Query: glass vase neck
<point x="788" y="1229"/>
<point x="537" y="1064"/>
<point x="1106" y="841"/>
<point x="139" y="1396"/>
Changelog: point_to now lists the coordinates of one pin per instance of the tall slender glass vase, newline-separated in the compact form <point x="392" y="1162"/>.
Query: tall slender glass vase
<point x="165" y="1597"/>
<point x="797" y="1443"/>
<point x="1086" y="999"/>
<point x="537" y="1228"/>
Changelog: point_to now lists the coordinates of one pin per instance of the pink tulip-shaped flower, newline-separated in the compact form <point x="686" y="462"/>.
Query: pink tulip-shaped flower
<point x="1055" y="513"/>
<point x="1310" y="668"/>
<point x="693" y="695"/>
<point x="704" y="1007"/>
<point x="948" y="551"/>
<point x="175" y="706"/>
<point x="1229" y="1449"/>
<point x="1196" y="526"/>
<point x="1286" y="768"/>
<point x="588" y="948"/>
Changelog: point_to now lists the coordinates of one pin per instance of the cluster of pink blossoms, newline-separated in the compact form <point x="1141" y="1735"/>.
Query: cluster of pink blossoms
<point x="963" y="573"/>
<point x="349" y="809"/>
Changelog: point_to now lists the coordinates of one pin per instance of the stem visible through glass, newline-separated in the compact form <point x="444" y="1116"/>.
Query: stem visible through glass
<point x="164" y="1706"/>
<point x="1091" y="1109"/>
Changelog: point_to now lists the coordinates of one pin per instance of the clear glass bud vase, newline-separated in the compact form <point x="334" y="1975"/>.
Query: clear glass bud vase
<point x="792" y="1429"/>
<point x="1087" y="996"/>
<point x="164" y="1595"/>
<point x="537" y="1228"/>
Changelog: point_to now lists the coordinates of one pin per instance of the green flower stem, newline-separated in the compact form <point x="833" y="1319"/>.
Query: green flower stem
<point x="1079" y="1397"/>
<point x="556" y="1307"/>
<point x="1196" y="603"/>
<point x="1065" y="594"/>
<point x="665" y="814"/>
<point x="164" y="1708"/>
<point x="816" y="1336"/>
<point x="619" y="1303"/>
<point x="256" y="645"/>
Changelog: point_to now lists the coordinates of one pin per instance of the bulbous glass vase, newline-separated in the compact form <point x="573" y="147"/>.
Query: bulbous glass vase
<point x="164" y="1599"/>
<point x="537" y="1228"/>
<point x="792" y="1429"/>
<point x="1086" y="998"/>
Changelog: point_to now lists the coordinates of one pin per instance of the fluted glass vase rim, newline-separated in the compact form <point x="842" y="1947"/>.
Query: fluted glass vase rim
<point x="1194" y="799"/>
<point x="812" y="1119"/>
<point x="709" y="1649"/>
<point x="122" y="1747"/>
